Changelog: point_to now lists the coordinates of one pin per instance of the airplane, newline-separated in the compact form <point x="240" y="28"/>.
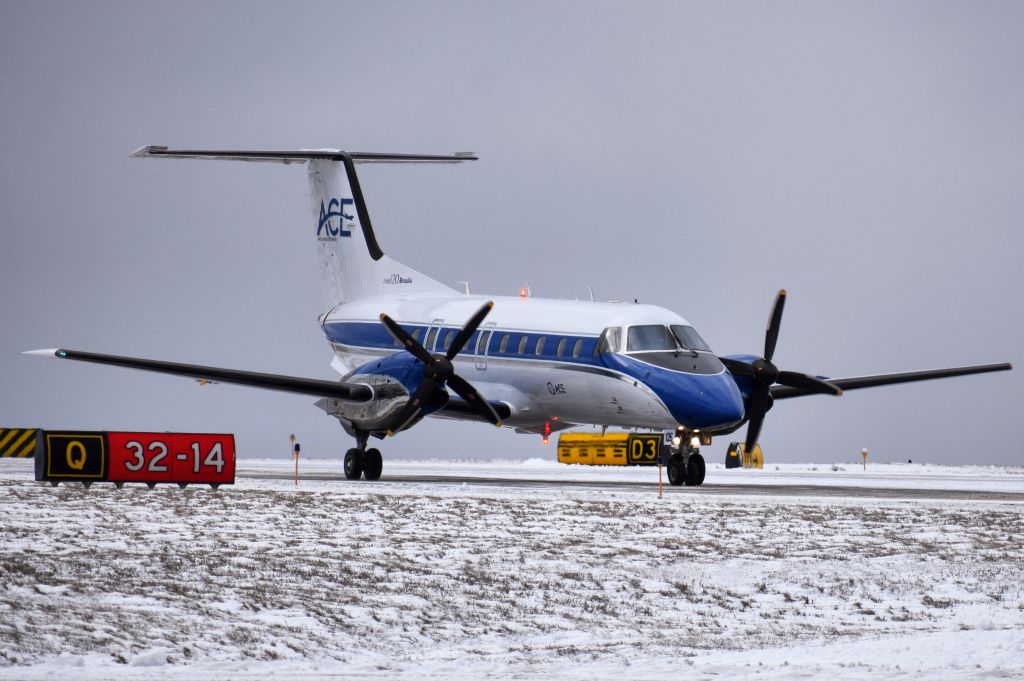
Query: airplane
<point x="408" y="346"/>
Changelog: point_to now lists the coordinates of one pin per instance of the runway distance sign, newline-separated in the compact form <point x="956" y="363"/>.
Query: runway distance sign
<point x="151" y="458"/>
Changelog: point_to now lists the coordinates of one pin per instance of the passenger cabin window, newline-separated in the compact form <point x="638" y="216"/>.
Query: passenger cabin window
<point x="577" y="348"/>
<point x="522" y="345"/>
<point x="610" y="341"/>
<point x="504" y="343"/>
<point x="560" y="351"/>
<point x="540" y="345"/>
<point x="416" y="334"/>
<point x="689" y="338"/>
<point x="448" y="338"/>
<point x="650" y="337"/>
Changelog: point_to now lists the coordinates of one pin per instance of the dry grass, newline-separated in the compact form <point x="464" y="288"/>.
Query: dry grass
<point x="270" y="574"/>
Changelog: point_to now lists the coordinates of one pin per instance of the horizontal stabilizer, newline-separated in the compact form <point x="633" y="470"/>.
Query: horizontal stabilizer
<point x="355" y="392"/>
<point x="299" y="155"/>
<point x="781" y="392"/>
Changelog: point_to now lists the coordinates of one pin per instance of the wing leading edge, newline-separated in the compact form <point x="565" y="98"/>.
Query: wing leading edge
<point x="353" y="392"/>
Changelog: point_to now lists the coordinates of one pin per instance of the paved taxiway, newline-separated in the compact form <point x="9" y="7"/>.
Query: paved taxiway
<point x="797" y="490"/>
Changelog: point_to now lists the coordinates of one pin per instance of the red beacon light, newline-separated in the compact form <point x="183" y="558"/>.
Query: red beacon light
<point x="524" y="292"/>
<point x="547" y="430"/>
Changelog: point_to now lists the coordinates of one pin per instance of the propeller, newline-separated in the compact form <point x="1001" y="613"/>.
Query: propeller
<point x="438" y="370"/>
<point x="763" y="374"/>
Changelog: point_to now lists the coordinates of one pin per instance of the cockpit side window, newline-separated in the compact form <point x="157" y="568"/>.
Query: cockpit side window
<point x="649" y="337"/>
<point x="689" y="338"/>
<point x="610" y="341"/>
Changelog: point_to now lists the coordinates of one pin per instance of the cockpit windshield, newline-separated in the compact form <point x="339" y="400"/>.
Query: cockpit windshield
<point x="689" y="339"/>
<point x="649" y="337"/>
<point x="658" y="337"/>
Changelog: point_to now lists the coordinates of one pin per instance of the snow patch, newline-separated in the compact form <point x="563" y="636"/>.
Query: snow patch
<point x="154" y="657"/>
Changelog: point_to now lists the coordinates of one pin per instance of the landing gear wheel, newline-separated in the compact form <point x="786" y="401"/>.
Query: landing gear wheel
<point x="695" y="470"/>
<point x="353" y="464"/>
<point x="373" y="464"/>
<point x="676" y="470"/>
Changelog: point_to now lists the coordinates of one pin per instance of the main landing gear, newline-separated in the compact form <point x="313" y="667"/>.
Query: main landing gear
<point x="686" y="466"/>
<point x="360" y="461"/>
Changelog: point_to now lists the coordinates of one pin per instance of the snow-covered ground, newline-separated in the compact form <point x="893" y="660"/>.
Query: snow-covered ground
<point x="380" y="580"/>
<point x="889" y="475"/>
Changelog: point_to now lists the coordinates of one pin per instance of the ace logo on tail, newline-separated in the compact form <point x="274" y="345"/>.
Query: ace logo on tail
<point x="334" y="219"/>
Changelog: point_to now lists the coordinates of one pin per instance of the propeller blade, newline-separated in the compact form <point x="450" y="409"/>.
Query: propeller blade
<point x="467" y="392"/>
<point x="407" y="341"/>
<point x="438" y="371"/>
<point x="815" y="385"/>
<point x="758" y="401"/>
<point x="466" y="332"/>
<point x="753" y="431"/>
<point x="736" y="367"/>
<point x="771" y="336"/>
<point x="411" y="409"/>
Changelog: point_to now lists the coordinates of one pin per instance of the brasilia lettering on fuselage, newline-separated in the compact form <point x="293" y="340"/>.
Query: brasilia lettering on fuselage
<point x="397" y="279"/>
<point x="335" y="208"/>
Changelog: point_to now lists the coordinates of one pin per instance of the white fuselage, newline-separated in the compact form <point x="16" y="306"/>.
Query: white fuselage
<point x="535" y="355"/>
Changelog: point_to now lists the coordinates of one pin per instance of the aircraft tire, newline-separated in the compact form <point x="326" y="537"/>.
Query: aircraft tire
<point x="676" y="470"/>
<point x="695" y="471"/>
<point x="353" y="464"/>
<point x="373" y="464"/>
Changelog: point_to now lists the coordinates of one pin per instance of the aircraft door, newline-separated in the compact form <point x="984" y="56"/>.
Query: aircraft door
<point x="483" y="343"/>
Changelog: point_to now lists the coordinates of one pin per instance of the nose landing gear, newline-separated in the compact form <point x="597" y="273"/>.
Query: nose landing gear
<point x="686" y="465"/>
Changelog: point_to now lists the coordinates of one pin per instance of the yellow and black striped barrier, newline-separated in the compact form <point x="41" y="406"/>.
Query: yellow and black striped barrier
<point x="18" y="442"/>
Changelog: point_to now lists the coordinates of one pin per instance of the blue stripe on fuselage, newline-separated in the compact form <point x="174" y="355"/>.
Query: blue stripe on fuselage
<point x="376" y="336"/>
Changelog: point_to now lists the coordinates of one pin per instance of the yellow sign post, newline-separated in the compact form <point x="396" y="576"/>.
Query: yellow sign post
<point x="659" y="477"/>
<point x="295" y="455"/>
<point x="864" y="456"/>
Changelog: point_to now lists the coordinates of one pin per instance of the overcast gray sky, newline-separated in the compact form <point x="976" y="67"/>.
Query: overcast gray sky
<point x="700" y="156"/>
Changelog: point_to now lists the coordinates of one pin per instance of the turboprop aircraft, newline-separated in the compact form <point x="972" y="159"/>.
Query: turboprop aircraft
<point x="408" y="346"/>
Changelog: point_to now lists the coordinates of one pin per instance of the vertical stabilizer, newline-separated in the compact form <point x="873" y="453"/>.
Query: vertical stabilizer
<point x="352" y="264"/>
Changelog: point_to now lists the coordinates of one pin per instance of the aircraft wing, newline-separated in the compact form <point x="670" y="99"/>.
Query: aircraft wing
<point x="780" y="392"/>
<point x="354" y="392"/>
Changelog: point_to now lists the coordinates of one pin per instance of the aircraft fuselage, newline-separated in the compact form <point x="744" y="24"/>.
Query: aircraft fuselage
<point x="541" y="358"/>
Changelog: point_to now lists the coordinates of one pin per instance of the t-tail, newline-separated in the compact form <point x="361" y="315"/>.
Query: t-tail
<point x="352" y="264"/>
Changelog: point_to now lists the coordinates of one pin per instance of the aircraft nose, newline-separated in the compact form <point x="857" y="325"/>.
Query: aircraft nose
<point x="716" y="404"/>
